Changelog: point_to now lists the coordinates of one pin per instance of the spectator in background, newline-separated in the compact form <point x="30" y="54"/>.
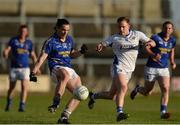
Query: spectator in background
<point x="125" y="46"/>
<point x="160" y="51"/>
<point x="21" y="49"/>
<point x="59" y="49"/>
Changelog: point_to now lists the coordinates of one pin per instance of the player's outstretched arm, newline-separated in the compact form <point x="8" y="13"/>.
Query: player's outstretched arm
<point x="34" y="58"/>
<point x="6" y="52"/>
<point x="37" y="66"/>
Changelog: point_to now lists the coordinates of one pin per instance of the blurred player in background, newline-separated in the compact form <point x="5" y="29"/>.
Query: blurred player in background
<point x="160" y="51"/>
<point x="125" y="46"/>
<point x="59" y="49"/>
<point x="21" y="49"/>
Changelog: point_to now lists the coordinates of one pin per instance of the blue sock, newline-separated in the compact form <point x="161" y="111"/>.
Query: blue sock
<point x="22" y="105"/>
<point x="163" y="108"/>
<point x="9" y="101"/>
<point x="119" y="109"/>
<point x="56" y="100"/>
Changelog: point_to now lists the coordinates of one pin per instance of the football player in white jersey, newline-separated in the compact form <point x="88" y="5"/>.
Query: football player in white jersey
<point x="125" y="46"/>
<point x="160" y="52"/>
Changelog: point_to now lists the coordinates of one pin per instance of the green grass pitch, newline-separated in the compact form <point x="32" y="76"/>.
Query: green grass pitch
<point x="142" y="110"/>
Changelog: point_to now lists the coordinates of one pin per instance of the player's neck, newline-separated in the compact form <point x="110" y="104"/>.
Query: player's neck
<point x="22" y="39"/>
<point x="62" y="39"/>
<point x="166" y="37"/>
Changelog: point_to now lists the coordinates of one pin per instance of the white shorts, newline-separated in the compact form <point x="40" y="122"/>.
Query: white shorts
<point x="70" y="71"/>
<point x="19" y="74"/>
<point x="117" y="70"/>
<point x="152" y="73"/>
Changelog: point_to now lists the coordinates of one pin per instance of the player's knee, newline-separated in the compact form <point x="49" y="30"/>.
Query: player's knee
<point x="124" y="88"/>
<point x="165" y="88"/>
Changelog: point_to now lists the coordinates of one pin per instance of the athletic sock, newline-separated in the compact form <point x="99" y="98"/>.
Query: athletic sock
<point x="21" y="105"/>
<point x="56" y="100"/>
<point x="8" y="104"/>
<point x="119" y="109"/>
<point x="9" y="101"/>
<point x="66" y="114"/>
<point x="163" y="109"/>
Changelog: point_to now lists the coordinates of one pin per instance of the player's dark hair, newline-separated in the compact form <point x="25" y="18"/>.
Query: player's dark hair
<point x="120" y="19"/>
<point x="23" y="26"/>
<point x="61" y="22"/>
<point x="166" y="23"/>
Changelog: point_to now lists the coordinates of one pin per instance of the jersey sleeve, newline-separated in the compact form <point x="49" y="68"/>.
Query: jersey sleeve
<point x="72" y="43"/>
<point x="174" y="43"/>
<point x="30" y="46"/>
<point x="46" y="47"/>
<point x="142" y="37"/>
<point x="108" y="41"/>
<point x="10" y="43"/>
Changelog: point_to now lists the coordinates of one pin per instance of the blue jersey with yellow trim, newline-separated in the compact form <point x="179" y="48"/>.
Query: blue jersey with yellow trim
<point x="58" y="51"/>
<point x="20" y="52"/>
<point x="163" y="48"/>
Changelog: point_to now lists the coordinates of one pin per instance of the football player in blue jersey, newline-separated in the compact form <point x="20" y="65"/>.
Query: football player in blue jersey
<point x="125" y="46"/>
<point x="59" y="50"/>
<point x="160" y="51"/>
<point x="21" y="49"/>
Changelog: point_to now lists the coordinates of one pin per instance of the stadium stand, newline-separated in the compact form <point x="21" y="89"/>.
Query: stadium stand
<point x="92" y="20"/>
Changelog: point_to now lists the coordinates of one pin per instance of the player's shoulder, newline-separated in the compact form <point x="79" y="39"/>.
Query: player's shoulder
<point x="29" y="41"/>
<point x="137" y="32"/>
<point x="173" y="38"/>
<point x="14" y="38"/>
<point x="52" y="38"/>
<point x="69" y="38"/>
<point x="156" y="35"/>
<point x="116" y="35"/>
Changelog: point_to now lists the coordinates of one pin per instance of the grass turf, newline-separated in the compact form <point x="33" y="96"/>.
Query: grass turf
<point x="142" y="110"/>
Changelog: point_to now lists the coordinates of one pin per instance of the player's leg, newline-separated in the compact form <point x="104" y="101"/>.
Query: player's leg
<point x="102" y="95"/>
<point x="23" y="95"/>
<point x="121" y="84"/>
<point x="73" y="103"/>
<point x="144" y="90"/>
<point x="10" y="93"/>
<point x="62" y="77"/>
<point x="12" y="85"/>
<point x="150" y="77"/>
<point x="24" y="77"/>
<point x="164" y="83"/>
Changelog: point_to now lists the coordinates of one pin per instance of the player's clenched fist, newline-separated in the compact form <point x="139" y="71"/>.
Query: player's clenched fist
<point x="33" y="77"/>
<point x="84" y="49"/>
<point x="99" y="47"/>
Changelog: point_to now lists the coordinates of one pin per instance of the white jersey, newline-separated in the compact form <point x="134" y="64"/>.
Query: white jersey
<point x="125" y="49"/>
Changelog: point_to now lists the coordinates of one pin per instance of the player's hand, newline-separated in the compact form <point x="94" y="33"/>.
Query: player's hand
<point x="173" y="65"/>
<point x="84" y="49"/>
<point x="38" y="72"/>
<point x="99" y="47"/>
<point x="33" y="77"/>
<point x="5" y="55"/>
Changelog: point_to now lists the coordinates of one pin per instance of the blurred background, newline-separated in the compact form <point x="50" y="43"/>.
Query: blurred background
<point x="91" y="22"/>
